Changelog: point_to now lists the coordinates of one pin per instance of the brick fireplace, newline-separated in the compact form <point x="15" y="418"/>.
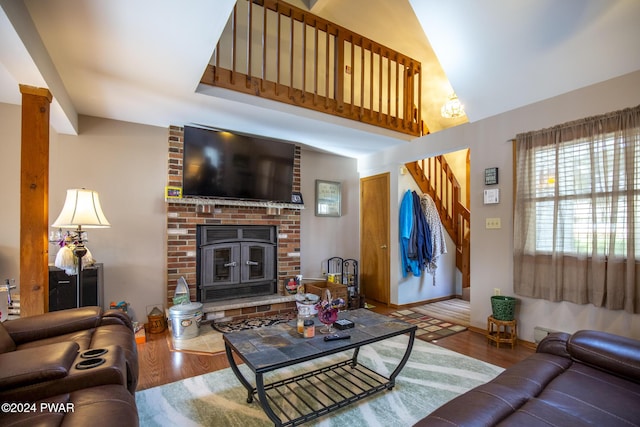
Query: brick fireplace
<point x="184" y="216"/>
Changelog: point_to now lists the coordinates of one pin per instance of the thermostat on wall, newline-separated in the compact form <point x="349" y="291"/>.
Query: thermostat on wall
<point x="492" y="196"/>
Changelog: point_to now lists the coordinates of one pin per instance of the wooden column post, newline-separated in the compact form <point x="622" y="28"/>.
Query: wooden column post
<point x="34" y="201"/>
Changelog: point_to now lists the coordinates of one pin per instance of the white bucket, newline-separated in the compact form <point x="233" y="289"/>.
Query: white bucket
<point x="185" y="320"/>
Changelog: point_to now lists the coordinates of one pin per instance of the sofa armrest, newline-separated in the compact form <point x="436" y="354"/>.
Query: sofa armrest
<point x="36" y="365"/>
<point x="55" y="323"/>
<point x="555" y="343"/>
<point x="615" y="354"/>
<point x="116" y="317"/>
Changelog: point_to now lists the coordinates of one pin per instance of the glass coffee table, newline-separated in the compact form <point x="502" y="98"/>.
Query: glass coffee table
<point x="309" y="395"/>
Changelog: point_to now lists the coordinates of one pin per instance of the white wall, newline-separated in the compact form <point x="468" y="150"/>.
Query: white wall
<point x="492" y="250"/>
<point x="126" y="164"/>
<point x="325" y="237"/>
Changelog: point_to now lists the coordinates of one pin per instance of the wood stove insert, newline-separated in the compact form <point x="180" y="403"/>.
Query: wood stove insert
<point x="236" y="261"/>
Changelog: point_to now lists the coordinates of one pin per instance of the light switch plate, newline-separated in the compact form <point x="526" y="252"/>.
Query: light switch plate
<point x="493" y="223"/>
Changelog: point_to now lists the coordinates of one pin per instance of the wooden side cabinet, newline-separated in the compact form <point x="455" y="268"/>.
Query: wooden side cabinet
<point x="63" y="288"/>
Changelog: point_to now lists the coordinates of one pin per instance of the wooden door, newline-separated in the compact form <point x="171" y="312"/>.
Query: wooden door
<point x="374" y="237"/>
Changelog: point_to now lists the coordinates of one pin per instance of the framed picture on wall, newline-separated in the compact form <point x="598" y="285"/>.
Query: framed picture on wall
<point x="328" y="198"/>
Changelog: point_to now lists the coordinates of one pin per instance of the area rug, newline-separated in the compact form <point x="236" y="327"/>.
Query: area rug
<point x="258" y="322"/>
<point x="431" y="377"/>
<point x="455" y="310"/>
<point x="429" y="328"/>
<point x="209" y="339"/>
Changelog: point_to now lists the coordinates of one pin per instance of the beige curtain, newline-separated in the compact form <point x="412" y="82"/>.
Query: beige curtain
<point x="577" y="212"/>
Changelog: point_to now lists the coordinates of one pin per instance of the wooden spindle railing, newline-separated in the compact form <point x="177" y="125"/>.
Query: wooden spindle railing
<point x="276" y="51"/>
<point x="436" y="178"/>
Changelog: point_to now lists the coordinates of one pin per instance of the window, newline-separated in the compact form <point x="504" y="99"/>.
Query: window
<point x="583" y="199"/>
<point x="577" y="214"/>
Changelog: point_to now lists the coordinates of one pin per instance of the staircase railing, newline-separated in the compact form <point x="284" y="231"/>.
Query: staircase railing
<point x="276" y="51"/>
<point x="435" y="177"/>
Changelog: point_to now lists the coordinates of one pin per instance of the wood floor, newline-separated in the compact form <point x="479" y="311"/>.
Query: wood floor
<point x="159" y="365"/>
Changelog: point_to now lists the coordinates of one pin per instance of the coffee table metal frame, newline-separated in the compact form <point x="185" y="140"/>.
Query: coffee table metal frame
<point x="309" y="395"/>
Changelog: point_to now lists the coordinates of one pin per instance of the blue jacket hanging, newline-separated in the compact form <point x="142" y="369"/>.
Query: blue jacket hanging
<point x="407" y="215"/>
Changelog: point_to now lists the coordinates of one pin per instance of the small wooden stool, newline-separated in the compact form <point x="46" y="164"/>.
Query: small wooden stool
<point x="502" y="331"/>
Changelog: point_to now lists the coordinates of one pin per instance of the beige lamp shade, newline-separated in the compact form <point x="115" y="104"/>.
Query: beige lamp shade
<point x="81" y="208"/>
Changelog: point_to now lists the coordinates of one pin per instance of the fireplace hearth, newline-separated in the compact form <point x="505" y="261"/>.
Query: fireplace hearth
<point x="236" y="261"/>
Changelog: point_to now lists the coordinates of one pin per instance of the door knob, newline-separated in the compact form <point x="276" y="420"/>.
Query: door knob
<point x="383" y="247"/>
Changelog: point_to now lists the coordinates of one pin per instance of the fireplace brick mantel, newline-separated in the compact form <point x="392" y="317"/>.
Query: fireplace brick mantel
<point x="183" y="218"/>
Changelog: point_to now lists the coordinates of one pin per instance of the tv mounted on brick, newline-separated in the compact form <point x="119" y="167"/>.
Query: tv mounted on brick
<point x="231" y="165"/>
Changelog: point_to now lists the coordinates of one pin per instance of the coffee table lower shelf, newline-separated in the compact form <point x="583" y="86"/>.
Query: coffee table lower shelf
<point x="305" y="397"/>
<point x="316" y="391"/>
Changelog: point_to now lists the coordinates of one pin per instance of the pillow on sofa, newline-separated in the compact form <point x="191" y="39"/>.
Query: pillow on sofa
<point x="6" y="342"/>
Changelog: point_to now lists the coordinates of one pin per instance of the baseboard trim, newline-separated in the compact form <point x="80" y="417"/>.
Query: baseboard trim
<point x="419" y="303"/>
<point x="526" y="344"/>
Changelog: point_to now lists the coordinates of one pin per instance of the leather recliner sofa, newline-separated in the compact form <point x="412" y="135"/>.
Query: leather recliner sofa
<point x="588" y="378"/>
<point x="69" y="367"/>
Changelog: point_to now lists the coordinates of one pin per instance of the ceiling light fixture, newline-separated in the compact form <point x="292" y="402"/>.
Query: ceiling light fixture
<point x="452" y="108"/>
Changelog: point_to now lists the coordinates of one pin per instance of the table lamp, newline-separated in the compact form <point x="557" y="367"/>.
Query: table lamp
<point x="81" y="209"/>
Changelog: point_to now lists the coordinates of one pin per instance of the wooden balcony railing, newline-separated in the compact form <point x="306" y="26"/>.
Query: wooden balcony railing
<point x="435" y="177"/>
<point x="276" y="51"/>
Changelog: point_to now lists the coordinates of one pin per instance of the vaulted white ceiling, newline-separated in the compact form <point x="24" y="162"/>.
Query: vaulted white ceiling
<point x="141" y="61"/>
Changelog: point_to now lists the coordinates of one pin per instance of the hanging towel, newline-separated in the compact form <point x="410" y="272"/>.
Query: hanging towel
<point x="438" y="243"/>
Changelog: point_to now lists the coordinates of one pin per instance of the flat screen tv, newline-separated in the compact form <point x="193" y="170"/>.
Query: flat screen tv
<point x="232" y="165"/>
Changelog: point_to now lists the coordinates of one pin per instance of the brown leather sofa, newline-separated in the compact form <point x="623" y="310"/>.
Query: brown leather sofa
<point x="588" y="378"/>
<point x="73" y="367"/>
